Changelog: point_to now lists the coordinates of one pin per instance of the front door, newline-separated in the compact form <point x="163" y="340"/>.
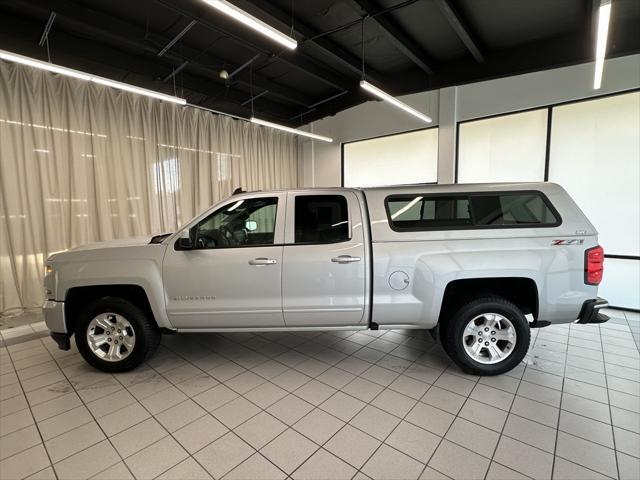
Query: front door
<point x="324" y="270"/>
<point x="231" y="278"/>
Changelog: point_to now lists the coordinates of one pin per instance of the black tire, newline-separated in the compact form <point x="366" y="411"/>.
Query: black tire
<point x="147" y="334"/>
<point x="453" y="328"/>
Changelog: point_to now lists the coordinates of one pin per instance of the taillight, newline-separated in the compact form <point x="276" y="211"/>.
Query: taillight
<point x="593" y="265"/>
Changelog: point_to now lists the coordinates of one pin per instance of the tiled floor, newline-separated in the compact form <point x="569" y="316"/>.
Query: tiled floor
<point x="324" y="405"/>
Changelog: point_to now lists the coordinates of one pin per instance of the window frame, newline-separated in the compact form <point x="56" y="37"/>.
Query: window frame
<point x="473" y="226"/>
<point x="205" y="217"/>
<point x="317" y="194"/>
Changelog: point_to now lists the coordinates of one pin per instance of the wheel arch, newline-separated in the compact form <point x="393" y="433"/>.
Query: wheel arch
<point x="78" y="297"/>
<point x="521" y="291"/>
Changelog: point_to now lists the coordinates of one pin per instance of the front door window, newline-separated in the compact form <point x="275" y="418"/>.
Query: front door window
<point x="245" y="223"/>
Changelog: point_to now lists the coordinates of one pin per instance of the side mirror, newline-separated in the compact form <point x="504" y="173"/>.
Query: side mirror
<point x="251" y="225"/>
<point x="184" y="243"/>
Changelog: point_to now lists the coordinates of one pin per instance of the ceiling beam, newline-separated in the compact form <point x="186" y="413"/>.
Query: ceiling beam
<point x="461" y="28"/>
<point x="328" y="46"/>
<point x="47" y="28"/>
<point x="397" y="35"/>
<point x="173" y="41"/>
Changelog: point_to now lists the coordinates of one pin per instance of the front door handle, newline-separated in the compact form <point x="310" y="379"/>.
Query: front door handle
<point x="263" y="261"/>
<point x="345" y="259"/>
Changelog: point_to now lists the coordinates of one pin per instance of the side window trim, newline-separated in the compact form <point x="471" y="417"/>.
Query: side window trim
<point x="473" y="225"/>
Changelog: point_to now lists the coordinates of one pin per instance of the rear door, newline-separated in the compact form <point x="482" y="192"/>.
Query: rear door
<point x="324" y="265"/>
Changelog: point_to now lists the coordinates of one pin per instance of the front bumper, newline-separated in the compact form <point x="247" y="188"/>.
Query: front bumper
<point x="62" y="339"/>
<point x="54" y="318"/>
<point x="590" y="312"/>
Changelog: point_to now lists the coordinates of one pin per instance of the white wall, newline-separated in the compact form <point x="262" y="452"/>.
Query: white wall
<point x="321" y="162"/>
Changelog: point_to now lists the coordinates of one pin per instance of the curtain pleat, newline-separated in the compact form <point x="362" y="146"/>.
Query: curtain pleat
<point x="82" y="163"/>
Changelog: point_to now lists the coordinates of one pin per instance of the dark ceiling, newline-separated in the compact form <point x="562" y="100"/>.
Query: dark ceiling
<point x="409" y="46"/>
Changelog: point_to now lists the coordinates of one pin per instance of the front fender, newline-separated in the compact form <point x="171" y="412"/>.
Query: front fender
<point x="127" y="267"/>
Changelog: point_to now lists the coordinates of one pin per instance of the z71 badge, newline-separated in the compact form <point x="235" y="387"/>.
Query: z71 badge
<point x="572" y="241"/>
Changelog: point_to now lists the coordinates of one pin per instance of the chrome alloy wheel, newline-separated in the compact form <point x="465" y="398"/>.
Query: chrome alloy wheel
<point x="489" y="338"/>
<point x="111" y="337"/>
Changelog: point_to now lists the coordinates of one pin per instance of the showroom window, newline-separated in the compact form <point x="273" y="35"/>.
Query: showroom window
<point x="245" y="223"/>
<point x="321" y="219"/>
<point x="595" y="155"/>
<point x="167" y="176"/>
<point x="508" y="148"/>
<point x="404" y="158"/>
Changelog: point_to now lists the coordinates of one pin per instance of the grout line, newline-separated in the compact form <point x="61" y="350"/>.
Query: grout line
<point x="33" y="419"/>
<point x="96" y="422"/>
<point x="506" y="420"/>
<point x="613" y="434"/>
<point x="555" y="443"/>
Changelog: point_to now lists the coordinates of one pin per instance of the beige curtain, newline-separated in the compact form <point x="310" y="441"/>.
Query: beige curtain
<point x="81" y="163"/>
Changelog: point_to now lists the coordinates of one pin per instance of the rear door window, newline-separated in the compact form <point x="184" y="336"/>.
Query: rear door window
<point x="321" y="219"/>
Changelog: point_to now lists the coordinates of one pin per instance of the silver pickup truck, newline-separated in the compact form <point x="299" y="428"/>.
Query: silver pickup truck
<point x="480" y="265"/>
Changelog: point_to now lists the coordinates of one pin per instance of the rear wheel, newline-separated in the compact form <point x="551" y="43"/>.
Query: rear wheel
<point x="487" y="336"/>
<point x="114" y="335"/>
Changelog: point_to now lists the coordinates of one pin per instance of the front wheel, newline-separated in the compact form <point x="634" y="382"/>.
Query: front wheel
<point x="114" y="335"/>
<point x="487" y="336"/>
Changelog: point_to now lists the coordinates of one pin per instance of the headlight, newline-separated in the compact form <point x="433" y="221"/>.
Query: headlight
<point x="48" y="269"/>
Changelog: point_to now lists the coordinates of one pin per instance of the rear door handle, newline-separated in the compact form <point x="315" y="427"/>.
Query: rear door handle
<point x="345" y="259"/>
<point x="263" y="261"/>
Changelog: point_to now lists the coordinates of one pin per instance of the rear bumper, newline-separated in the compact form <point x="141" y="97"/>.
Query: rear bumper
<point x="590" y="312"/>
<point x="54" y="318"/>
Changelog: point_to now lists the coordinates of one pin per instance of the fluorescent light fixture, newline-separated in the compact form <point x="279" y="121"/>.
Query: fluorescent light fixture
<point x="13" y="57"/>
<point x="295" y="131"/>
<point x="31" y="62"/>
<point x="393" y="101"/>
<point x="604" y="15"/>
<point x="252" y="22"/>
<point x="140" y="91"/>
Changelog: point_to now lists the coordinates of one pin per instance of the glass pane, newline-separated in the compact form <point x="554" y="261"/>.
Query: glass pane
<point x="508" y="148"/>
<point x="243" y="223"/>
<point x="595" y="156"/>
<point x="416" y="213"/>
<point x="621" y="283"/>
<point x="393" y="160"/>
<point x="512" y="209"/>
<point x="321" y="219"/>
